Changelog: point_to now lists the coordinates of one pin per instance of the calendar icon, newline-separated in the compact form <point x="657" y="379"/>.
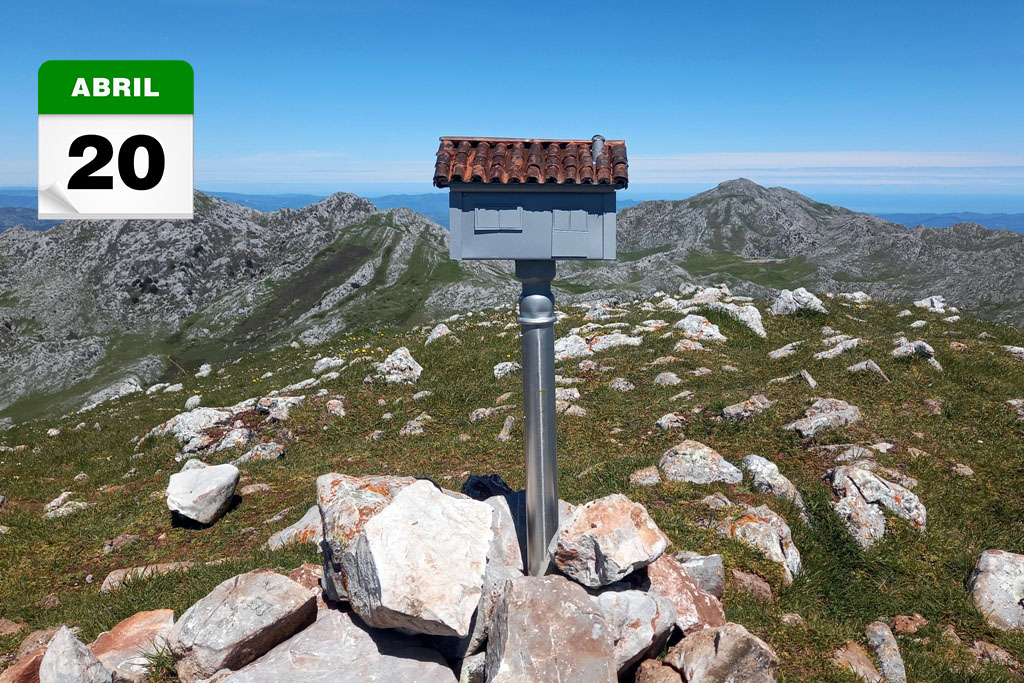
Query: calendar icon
<point x="115" y="139"/>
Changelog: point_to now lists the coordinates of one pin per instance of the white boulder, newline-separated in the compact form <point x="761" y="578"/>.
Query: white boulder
<point x="202" y="494"/>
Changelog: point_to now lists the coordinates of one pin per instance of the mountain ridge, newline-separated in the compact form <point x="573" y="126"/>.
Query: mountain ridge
<point x="90" y="305"/>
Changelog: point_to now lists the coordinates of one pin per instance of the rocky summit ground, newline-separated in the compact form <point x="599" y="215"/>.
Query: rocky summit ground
<point x="847" y="482"/>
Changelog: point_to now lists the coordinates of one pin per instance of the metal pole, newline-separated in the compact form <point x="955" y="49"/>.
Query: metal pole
<point x="537" y="317"/>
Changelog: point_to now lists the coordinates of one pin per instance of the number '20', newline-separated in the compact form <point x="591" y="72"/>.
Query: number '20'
<point x="83" y="178"/>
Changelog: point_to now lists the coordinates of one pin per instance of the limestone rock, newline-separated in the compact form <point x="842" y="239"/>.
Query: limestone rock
<point x="506" y="429"/>
<point x="699" y="328"/>
<point x="335" y="407"/>
<point x="824" y="413"/>
<point x="784" y="351"/>
<point x="707" y="571"/>
<point x="799" y="299"/>
<point x="694" y="462"/>
<point x="868" y="366"/>
<point x="202" y="495"/>
<point x="765" y="530"/>
<point x="309" y="529"/>
<point x="345" y="504"/>
<point x="67" y="660"/>
<point x="261" y="452"/>
<point x="1016" y="351"/>
<point x="399" y="367"/>
<point x="727" y="654"/>
<point x="340" y="648"/>
<point x="767" y="477"/>
<point x="688" y="345"/>
<point x="605" y="540"/>
<point x="746" y="314"/>
<point x="572" y="346"/>
<point x="746" y="409"/>
<point x="883" y="643"/>
<point x="328" y="363"/>
<point x="648" y="476"/>
<point x="654" y="671"/>
<point x="671" y="421"/>
<point x="862" y="498"/>
<point x="997" y="588"/>
<point x="668" y="379"/>
<point x="695" y="608"/>
<point x="838" y="349"/>
<point x="484" y="413"/>
<point x="548" y="629"/>
<point x="421" y="527"/>
<point x="239" y="621"/>
<point x="621" y="384"/>
<point x="124" y="649"/>
<point x="189" y="427"/>
<point x="857" y="298"/>
<point x="640" y="623"/>
<point x="116" y="578"/>
<point x="436" y="333"/>
<point x="507" y="368"/>
<point x="193" y="402"/>
<point x="415" y="426"/>
<point x="611" y="341"/>
<point x="855" y="659"/>
<point x="933" y="304"/>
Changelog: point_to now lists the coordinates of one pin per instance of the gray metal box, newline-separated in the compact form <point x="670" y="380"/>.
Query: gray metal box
<point x="531" y="221"/>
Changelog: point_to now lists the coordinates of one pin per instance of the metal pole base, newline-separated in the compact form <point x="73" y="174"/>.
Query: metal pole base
<point x="537" y="318"/>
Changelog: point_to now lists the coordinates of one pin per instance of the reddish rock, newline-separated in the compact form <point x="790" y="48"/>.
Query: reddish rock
<point x="911" y="624"/>
<point x="9" y="628"/>
<point x="749" y="582"/>
<point x="653" y="671"/>
<point x="309" y="576"/>
<point x="695" y="608"/>
<point x="855" y="659"/>
<point x="123" y="649"/>
<point x="25" y="669"/>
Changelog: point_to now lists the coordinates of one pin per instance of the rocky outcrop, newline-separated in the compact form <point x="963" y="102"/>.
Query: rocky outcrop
<point x="399" y="367"/>
<point x="863" y="498"/>
<point x="798" y="300"/>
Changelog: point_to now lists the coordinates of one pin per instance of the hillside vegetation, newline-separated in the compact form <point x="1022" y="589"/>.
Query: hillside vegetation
<point x="952" y="431"/>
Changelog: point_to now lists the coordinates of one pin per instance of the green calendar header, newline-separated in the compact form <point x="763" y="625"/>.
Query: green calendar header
<point x="116" y="87"/>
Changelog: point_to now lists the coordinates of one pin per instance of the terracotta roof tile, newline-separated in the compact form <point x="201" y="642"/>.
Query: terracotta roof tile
<point x="515" y="160"/>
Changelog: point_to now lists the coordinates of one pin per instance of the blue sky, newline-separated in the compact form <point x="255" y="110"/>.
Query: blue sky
<point x="905" y="101"/>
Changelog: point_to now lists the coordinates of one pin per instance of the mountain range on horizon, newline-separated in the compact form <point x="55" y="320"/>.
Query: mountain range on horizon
<point x="89" y="309"/>
<point x="17" y="207"/>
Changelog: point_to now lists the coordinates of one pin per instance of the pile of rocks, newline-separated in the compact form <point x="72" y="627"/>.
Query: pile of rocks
<point x="420" y="583"/>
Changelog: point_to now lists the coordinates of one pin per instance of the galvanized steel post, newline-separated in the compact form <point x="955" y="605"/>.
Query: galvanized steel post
<point x="537" y="318"/>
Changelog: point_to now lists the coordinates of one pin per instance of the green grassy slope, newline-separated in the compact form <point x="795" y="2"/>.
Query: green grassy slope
<point x="841" y="590"/>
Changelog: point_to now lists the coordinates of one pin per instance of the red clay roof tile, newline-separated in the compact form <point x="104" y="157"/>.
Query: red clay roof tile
<point x="515" y="160"/>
